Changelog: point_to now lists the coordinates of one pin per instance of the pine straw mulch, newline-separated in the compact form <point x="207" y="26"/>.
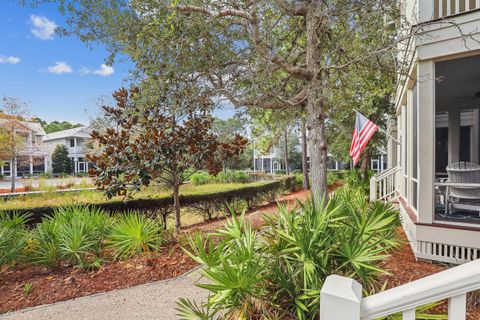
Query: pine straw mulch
<point x="48" y="286"/>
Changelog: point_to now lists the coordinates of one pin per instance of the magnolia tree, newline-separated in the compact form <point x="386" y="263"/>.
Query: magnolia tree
<point x="158" y="140"/>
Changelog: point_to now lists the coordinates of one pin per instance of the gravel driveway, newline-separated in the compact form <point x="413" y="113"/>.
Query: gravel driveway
<point x="148" y="301"/>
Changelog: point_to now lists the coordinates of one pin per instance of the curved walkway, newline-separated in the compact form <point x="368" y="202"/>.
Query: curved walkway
<point x="150" y="301"/>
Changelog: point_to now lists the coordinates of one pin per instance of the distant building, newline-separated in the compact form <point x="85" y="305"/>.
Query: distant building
<point x="75" y="140"/>
<point x="32" y="158"/>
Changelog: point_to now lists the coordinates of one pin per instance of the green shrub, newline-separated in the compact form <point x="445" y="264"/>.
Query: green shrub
<point x="280" y="172"/>
<point x="355" y="180"/>
<point x="45" y="175"/>
<point x="280" y="272"/>
<point x="299" y="178"/>
<point x="13" y="237"/>
<point x="200" y="177"/>
<point x="74" y="235"/>
<point x="134" y="233"/>
<point x="1" y="176"/>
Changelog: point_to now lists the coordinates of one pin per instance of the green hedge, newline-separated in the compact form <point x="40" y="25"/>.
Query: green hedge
<point x="229" y="176"/>
<point x="250" y="195"/>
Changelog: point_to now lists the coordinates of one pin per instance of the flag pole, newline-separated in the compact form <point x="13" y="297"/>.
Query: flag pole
<point x="383" y="131"/>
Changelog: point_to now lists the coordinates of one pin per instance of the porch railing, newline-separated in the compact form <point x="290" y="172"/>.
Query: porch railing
<point x="341" y="298"/>
<point x="382" y="185"/>
<point x="447" y="8"/>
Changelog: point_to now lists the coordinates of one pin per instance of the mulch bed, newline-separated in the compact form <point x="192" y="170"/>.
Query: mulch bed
<point x="50" y="286"/>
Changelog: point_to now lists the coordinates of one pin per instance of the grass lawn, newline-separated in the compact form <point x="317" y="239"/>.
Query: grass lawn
<point x="95" y="197"/>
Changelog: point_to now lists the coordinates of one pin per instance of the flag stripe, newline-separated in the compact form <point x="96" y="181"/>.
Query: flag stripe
<point x="362" y="133"/>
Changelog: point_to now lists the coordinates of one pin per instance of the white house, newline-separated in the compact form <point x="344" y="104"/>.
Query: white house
<point x="75" y="140"/>
<point x="435" y="172"/>
<point x="32" y="158"/>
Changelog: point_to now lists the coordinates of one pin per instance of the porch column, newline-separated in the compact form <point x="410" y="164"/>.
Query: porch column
<point x="453" y="136"/>
<point x="392" y="146"/>
<point x="426" y="134"/>
<point x="475" y="136"/>
<point x="31" y="164"/>
<point x="425" y="10"/>
<point x="1" y="170"/>
<point x="45" y="161"/>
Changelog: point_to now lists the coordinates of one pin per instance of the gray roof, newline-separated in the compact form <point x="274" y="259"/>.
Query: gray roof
<point x="80" y="132"/>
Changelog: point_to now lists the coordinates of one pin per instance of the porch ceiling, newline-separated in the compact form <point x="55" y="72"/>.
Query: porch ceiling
<point x="458" y="83"/>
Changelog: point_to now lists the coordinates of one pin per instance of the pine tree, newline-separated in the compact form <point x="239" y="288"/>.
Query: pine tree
<point x="61" y="163"/>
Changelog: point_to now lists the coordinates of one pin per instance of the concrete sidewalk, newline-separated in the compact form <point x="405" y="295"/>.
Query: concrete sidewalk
<point x="148" y="301"/>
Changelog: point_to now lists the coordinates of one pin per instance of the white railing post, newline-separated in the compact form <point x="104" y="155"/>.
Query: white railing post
<point x="457" y="307"/>
<point x="373" y="188"/>
<point x="426" y="10"/>
<point x="340" y="299"/>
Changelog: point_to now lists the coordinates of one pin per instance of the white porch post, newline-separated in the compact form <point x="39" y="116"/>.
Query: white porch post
<point x="426" y="136"/>
<point x="31" y="164"/>
<point x="425" y="10"/>
<point x="45" y="162"/>
<point x="453" y="135"/>
<point x="1" y="170"/>
<point x="340" y="299"/>
<point x="86" y="166"/>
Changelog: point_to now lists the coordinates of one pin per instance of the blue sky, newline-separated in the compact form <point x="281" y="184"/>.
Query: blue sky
<point x="59" y="77"/>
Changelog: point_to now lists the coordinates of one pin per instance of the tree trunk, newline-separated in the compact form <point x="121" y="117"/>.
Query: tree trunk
<point x="13" y="173"/>
<point x="364" y="166"/>
<point x="306" y="182"/>
<point x="317" y="141"/>
<point x="285" y="156"/>
<point x="176" y="206"/>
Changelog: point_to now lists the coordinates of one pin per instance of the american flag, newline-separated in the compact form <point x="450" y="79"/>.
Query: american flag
<point x="363" y="131"/>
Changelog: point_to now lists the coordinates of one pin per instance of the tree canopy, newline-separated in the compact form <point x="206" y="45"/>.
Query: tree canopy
<point x="272" y="54"/>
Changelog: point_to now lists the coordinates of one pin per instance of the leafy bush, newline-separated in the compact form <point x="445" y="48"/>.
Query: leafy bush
<point x="1" y="176"/>
<point x="229" y="176"/>
<point x="280" y="272"/>
<point x="280" y="172"/>
<point x="134" y="233"/>
<point x="355" y="180"/>
<point x="200" y="177"/>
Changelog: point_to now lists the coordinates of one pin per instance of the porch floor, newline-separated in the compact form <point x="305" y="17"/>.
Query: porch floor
<point x="458" y="216"/>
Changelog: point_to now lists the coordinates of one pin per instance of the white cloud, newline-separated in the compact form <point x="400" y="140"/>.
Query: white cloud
<point x="42" y="27"/>
<point x="60" y="67"/>
<point x="103" y="71"/>
<point x="9" y="60"/>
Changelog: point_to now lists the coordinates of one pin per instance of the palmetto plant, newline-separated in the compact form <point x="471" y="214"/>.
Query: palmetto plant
<point x="134" y="233"/>
<point x="279" y="273"/>
<point x="13" y="237"/>
<point x="73" y="234"/>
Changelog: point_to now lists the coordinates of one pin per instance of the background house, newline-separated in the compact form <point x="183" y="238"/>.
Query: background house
<point x="75" y="140"/>
<point x="32" y="158"/>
